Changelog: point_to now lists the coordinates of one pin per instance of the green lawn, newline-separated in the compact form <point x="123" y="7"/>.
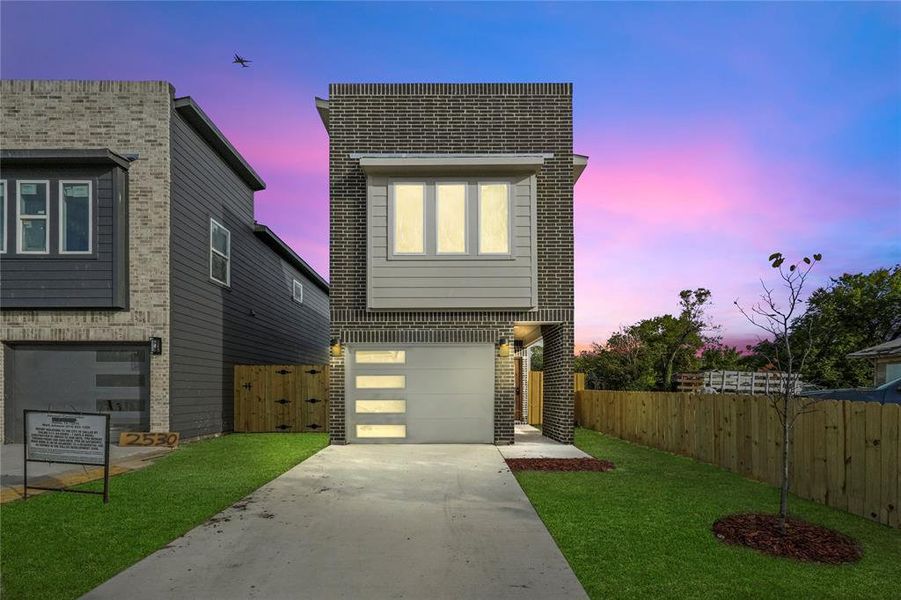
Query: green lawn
<point x="643" y="531"/>
<point x="62" y="545"/>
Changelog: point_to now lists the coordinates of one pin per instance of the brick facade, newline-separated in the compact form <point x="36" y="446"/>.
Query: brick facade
<point x="445" y="119"/>
<point x="127" y="118"/>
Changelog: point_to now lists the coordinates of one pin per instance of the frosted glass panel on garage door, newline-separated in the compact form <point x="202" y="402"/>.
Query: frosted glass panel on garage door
<point x="448" y="395"/>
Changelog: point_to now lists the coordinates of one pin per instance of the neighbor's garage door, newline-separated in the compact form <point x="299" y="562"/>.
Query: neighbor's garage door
<point x="88" y="378"/>
<point x="420" y="394"/>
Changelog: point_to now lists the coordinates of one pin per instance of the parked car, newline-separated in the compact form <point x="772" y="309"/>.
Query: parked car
<point x="887" y="393"/>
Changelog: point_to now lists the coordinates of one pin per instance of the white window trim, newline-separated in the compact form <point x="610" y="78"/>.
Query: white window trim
<point x="465" y="185"/>
<point x="62" y="219"/>
<point x="20" y="217"/>
<point x="228" y="259"/>
<point x="478" y="241"/>
<point x="393" y="214"/>
<point x="5" y="215"/>
<point x="294" y="285"/>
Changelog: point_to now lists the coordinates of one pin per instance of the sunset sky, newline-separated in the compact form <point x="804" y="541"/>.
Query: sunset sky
<point x="718" y="133"/>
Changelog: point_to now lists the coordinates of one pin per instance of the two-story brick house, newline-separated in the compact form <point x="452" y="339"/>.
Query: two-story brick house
<point x="451" y="243"/>
<point x="133" y="275"/>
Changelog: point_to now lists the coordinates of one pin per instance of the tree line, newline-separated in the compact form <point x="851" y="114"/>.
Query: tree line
<point x="851" y="312"/>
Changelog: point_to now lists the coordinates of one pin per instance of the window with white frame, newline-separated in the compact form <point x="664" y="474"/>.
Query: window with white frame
<point x="32" y="214"/>
<point x="75" y="235"/>
<point x="220" y="253"/>
<point x="297" y="291"/>
<point x="2" y="216"/>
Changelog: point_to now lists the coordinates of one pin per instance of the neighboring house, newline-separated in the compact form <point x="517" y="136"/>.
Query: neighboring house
<point x="133" y="276"/>
<point x="451" y="238"/>
<point x="886" y="360"/>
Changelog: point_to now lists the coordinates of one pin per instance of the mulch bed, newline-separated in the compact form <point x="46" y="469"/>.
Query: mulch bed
<point x="802" y="540"/>
<point x="559" y="464"/>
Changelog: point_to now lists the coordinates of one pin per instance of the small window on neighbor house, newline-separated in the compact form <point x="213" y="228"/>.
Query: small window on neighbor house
<point x="450" y="218"/>
<point x="75" y="217"/>
<point x="2" y="217"/>
<point x="220" y="253"/>
<point x="33" y="213"/>
<point x="494" y="218"/>
<point x="409" y="218"/>
<point x="297" y="292"/>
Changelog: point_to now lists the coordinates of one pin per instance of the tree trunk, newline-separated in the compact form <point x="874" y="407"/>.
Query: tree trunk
<point x="668" y="384"/>
<point x="786" y="443"/>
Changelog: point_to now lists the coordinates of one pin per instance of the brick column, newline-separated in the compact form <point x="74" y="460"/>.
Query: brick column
<point x="558" y="415"/>
<point x="336" y="424"/>
<point x="504" y="392"/>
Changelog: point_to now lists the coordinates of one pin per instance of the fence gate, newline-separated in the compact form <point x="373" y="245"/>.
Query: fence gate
<point x="281" y="398"/>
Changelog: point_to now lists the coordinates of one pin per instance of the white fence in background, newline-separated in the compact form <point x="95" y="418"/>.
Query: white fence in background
<point x="736" y="382"/>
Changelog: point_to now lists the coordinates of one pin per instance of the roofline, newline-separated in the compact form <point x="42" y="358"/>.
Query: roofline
<point x="203" y="125"/>
<point x="375" y="164"/>
<point x="286" y="252"/>
<point x="81" y="156"/>
<point x="322" y="108"/>
<point x="580" y="161"/>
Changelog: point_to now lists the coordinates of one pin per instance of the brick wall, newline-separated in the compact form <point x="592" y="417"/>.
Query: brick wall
<point x="128" y="118"/>
<point x="450" y="118"/>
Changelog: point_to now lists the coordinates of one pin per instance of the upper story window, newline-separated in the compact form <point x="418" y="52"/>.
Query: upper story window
<point x="75" y="217"/>
<point x="450" y="218"/>
<point x="409" y="218"/>
<point x="2" y="216"/>
<point x="494" y="218"/>
<point x="220" y="253"/>
<point x="33" y="214"/>
<point x="447" y="218"/>
<point x="297" y="292"/>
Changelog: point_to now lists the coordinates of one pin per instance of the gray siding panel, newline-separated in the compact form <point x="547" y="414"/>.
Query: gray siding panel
<point x="255" y="320"/>
<point x="469" y="283"/>
<point x="98" y="280"/>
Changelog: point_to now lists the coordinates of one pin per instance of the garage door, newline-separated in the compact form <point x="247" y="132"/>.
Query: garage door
<point x="420" y="394"/>
<point x="88" y="378"/>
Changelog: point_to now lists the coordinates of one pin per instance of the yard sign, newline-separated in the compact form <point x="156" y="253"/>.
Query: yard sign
<point x="68" y="438"/>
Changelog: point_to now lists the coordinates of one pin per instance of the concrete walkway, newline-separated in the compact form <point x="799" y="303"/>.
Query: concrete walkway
<point x="367" y="521"/>
<point x="530" y="443"/>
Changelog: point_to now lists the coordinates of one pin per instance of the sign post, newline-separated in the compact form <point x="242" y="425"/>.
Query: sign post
<point x="73" y="438"/>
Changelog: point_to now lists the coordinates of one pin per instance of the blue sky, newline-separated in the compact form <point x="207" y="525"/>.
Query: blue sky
<point x="718" y="132"/>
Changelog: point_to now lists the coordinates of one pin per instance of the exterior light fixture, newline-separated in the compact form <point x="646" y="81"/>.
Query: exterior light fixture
<point x="335" y="347"/>
<point x="503" y="347"/>
<point x="156" y="345"/>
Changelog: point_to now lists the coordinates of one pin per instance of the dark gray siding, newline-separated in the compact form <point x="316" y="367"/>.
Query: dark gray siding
<point x="255" y="320"/>
<point x="98" y="280"/>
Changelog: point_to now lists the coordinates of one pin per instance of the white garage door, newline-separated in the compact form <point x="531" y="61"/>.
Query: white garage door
<point x="420" y="394"/>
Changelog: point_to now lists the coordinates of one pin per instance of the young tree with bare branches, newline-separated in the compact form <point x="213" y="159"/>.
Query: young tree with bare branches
<point x="778" y="313"/>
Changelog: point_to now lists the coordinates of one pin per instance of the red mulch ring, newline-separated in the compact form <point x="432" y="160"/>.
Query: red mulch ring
<point x="802" y="540"/>
<point x="559" y="464"/>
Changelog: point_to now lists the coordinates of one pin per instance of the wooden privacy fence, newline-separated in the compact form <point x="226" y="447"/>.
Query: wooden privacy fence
<point x="845" y="454"/>
<point x="281" y="398"/>
<point x="536" y="394"/>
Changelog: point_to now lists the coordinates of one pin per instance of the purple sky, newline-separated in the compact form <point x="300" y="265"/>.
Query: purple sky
<point x="718" y="133"/>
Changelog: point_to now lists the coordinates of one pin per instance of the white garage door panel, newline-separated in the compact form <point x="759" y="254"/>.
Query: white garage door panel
<point x="461" y="381"/>
<point x="443" y="406"/>
<point x="461" y="431"/>
<point x="449" y="394"/>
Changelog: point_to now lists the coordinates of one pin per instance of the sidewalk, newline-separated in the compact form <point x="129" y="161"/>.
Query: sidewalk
<point x="122" y="460"/>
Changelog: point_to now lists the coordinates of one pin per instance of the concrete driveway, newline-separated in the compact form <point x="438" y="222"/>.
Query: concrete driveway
<point x="376" y="521"/>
